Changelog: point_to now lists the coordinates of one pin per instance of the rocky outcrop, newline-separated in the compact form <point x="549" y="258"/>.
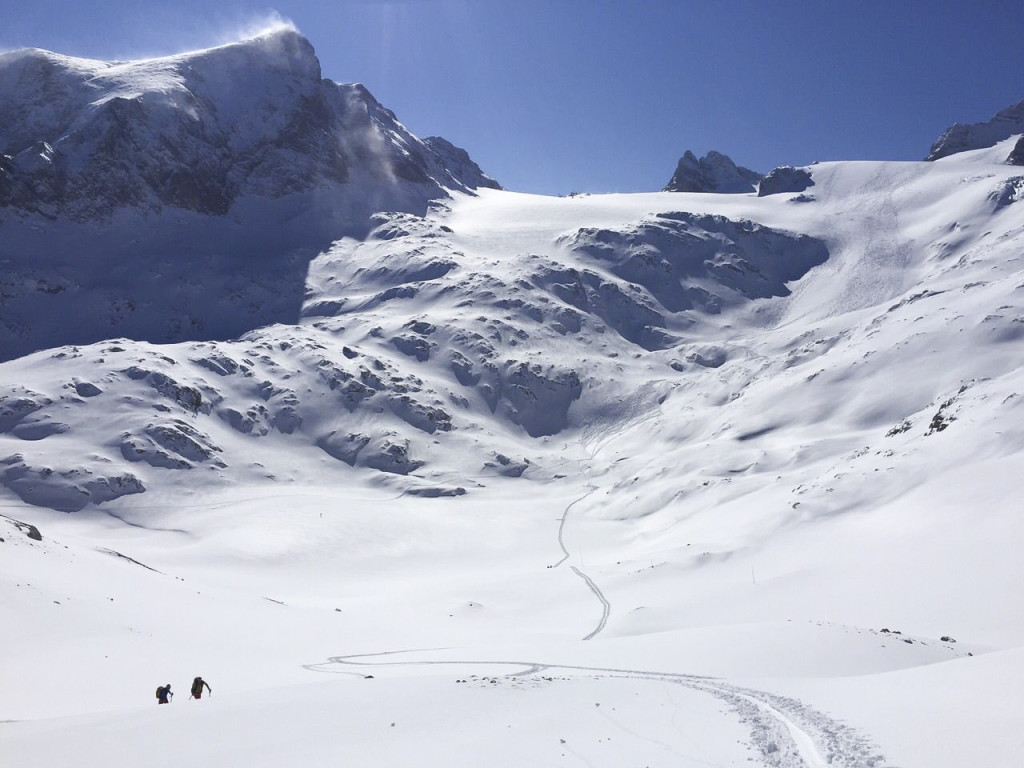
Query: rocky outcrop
<point x="785" y="180"/>
<point x="1007" y="192"/>
<point x="387" y="452"/>
<point x="714" y="172"/>
<point x="173" y="444"/>
<point x="459" y="164"/>
<point x="961" y="138"/>
<point x="64" y="488"/>
<point x="684" y="261"/>
<point x="1016" y="156"/>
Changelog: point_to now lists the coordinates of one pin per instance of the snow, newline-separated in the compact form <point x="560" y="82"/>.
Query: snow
<point x="779" y="525"/>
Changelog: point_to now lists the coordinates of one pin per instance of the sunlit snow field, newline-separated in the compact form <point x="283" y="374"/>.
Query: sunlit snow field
<point x="765" y="553"/>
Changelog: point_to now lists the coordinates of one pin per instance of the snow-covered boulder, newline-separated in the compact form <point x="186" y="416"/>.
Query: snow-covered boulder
<point x="64" y="488"/>
<point x="785" y="180"/>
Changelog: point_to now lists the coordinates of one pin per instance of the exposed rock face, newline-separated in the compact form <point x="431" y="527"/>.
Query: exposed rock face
<point x="961" y="138"/>
<point x="105" y="166"/>
<point x="785" y="180"/>
<point x="714" y="172"/>
<point x="198" y="131"/>
<point x="66" y="489"/>
<point x="1016" y="156"/>
<point x="459" y="164"/>
<point x="686" y="261"/>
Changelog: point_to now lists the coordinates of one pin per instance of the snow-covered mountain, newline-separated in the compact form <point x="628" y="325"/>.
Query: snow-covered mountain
<point x="714" y="172"/>
<point x="202" y="131"/>
<point x="651" y="479"/>
<point x="962" y="138"/>
<point x="183" y="197"/>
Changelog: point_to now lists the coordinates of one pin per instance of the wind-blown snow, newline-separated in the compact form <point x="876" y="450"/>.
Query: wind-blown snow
<point x="182" y="198"/>
<point x="660" y="479"/>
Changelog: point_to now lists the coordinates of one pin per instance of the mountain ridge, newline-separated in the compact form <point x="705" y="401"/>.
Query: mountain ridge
<point x="105" y="168"/>
<point x="178" y="132"/>
<point x="961" y="137"/>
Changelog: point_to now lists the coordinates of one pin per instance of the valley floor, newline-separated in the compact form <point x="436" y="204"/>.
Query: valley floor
<point x="376" y="631"/>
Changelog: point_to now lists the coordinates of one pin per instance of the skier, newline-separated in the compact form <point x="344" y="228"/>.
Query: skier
<point x="197" y="688"/>
<point x="163" y="694"/>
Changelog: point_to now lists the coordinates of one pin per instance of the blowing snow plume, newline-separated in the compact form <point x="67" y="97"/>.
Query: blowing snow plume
<point x="243" y="147"/>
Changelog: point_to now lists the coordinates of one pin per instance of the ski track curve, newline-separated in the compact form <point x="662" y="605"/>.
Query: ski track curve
<point x="631" y="411"/>
<point x="561" y="527"/>
<point x="786" y="732"/>
<point x="607" y="607"/>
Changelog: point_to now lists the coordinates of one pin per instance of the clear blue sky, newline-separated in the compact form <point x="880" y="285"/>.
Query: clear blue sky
<point x="604" y="96"/>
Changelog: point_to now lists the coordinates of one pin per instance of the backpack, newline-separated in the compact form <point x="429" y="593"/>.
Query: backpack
<point x="197" y="687"/>
<point x="159" y="691"/>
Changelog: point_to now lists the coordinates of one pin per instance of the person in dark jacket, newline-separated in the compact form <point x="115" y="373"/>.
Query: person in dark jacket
<point x="197" y="688"/>
<point x="163" y="694"/>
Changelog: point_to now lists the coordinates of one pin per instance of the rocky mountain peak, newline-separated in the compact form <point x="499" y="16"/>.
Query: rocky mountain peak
<point x="200" y="131"/>
<point x="259" y="66"/>
<point x="961" y="137"/>
<point x="715" y="172"/>
<point x="281" y="46"/>
<point x="245" y="142"/>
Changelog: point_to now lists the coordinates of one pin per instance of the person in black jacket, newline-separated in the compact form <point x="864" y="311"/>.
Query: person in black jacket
<point x="197" y="688"/>
<point x="163" y="694"/>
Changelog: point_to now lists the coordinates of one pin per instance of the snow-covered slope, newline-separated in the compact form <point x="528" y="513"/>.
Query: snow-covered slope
<point x="183" y="197"/>
<point x="659" y="479"/>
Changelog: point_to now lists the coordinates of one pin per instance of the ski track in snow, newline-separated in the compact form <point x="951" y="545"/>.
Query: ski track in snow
<point x="804" y="743"/>
<point x="600" y="596"/>
<point x="606" y="607"/>
<point x="593" y="441"/>
<point x="786" y="732"/>
<point x="561" y="527"/>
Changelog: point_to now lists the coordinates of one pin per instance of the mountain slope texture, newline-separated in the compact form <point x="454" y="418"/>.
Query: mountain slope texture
<point x="418" y="471"/>
<point x="230" y="168"/>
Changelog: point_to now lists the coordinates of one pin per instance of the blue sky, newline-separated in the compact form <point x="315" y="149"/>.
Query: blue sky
<point x="604" y="96"/>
